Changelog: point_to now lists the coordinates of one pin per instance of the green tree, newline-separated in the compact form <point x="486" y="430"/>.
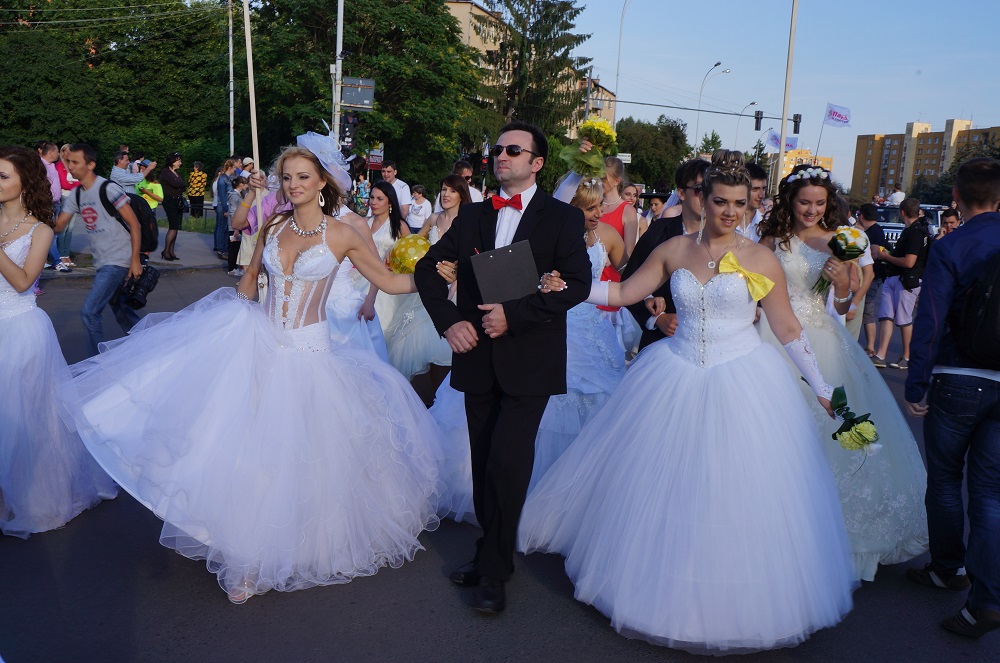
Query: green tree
<point x="657" y="149"/>
<point x="533" y="75"/>
<point x="710" y="143"/>
<point x="756" y="154"/>
<point x="939" y="192"/>
<point x="424" y="78"/>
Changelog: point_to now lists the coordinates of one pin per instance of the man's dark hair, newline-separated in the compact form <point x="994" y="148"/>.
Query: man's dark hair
<point x="755" y="171"/>
<point x="910" y="207"/>
<point x="418" y="188"/>
<point x="123" y="147"/>
<point x="540" y="144"/>
<point x="949" y="213"/>
<point x="44" y="146"/>
<point x="89" y="153"/>
<point x="389" y="164"/>
<point x="461" y="165"/>
<point x="869" y="212"/>
<point x="897" y="187"/>
<point x="119" y="155"/>
<point x="689" y="171"/>
<point x="138" y="155"/>
<point x="978" y="182"/>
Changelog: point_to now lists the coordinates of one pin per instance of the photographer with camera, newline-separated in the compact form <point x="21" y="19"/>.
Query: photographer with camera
<point x="116" y="251"/>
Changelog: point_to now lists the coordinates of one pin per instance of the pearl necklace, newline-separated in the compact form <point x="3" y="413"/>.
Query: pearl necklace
<point x="16" y="226"/>
<point x="307" y="233"/>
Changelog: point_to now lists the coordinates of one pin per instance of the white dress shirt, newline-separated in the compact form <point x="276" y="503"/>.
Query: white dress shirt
<point x="509" y="218"/>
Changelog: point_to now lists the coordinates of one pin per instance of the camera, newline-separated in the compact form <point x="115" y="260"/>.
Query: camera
<point x="134" y="291"/>
<point x="144" y="162"/>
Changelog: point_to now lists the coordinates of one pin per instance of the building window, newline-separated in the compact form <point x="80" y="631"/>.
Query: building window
<point x="892" y="171"/>
<point x="868" y="162"/>
<point x="867" y="170"/>
<point x="894" y="151"/>
<point x="937" y="140"/>
<point x="917" y="173"/>
<point x="869" y="152"/>
<point x="895" y="141"/>
<point x="919" y="161"/>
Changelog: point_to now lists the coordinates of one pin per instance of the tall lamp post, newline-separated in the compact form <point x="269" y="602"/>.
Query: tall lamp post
<point x="736" y="140"/>
<point x="697" y="122"/>
<point x="621" y="28"/>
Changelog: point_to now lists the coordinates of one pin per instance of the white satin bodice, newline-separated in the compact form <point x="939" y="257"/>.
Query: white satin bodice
<point x="298" y="299"/>
<point x="803" y="265"/>
<point x="382" y="238"/>
<point x="715" y="320"/>
<point x="13" y="302"/>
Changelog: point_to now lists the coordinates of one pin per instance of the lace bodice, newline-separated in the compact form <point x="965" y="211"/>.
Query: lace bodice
<point x="715" y="319"/>
<point x="298" y="299"/>
<point x="434" y="235"/>
<point x="13" y="302"/>
<point x="803" y="265"/>
<point x="598" y="255"/>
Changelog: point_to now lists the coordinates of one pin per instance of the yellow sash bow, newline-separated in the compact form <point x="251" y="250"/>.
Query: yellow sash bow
<point x="758" y="284"/>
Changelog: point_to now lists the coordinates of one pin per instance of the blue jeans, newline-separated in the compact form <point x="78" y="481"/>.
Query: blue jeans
<point x="102" y="293"/>
<point x="54" y="250"/>
<point x="964" y="419"/>
<point x="64" y="238"/>
<point x="221" y="231"/>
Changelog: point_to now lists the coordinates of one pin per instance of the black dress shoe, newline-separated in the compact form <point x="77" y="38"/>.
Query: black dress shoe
<point x="466" y="576"/>
<point x="490" y="596"/>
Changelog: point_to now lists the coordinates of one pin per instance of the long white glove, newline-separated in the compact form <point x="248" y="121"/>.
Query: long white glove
<point x="599" y="293"/>
<point x="804" y="359"/>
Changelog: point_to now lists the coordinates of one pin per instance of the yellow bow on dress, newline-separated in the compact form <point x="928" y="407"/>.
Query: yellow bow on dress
<point x="758" y="284"/>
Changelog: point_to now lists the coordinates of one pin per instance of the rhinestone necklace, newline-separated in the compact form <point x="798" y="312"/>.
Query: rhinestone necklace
<point x="16" y="226"/>
<point x="307" y="233"/>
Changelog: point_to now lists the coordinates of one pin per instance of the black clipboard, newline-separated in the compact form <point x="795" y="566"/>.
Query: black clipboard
<point x="506" y="273"/>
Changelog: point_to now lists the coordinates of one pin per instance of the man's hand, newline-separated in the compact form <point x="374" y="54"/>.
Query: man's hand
<point x="461" y="336"/>
<point x="495" y="321"/>
<point x="667" y="323"/>
<point x="135" y="268"/>
<point x="916" y="409"/>
<point x="655" y="305"/>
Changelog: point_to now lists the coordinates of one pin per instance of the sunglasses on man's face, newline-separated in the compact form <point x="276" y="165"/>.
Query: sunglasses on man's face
<point x="512" y="150"/>
<point x="468" y="178"/>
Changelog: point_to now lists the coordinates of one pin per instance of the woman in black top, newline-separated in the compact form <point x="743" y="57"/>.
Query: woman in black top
<point x="173" y="186"/>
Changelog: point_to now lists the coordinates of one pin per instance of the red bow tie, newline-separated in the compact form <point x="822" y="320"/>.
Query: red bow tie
<point x="499" y="203"/>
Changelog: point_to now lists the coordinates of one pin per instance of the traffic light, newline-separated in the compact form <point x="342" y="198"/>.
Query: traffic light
<point x="796" y="121"/>
<point x="758" y="117"/>
<point x="485" y="163"/>
<point x="348" y="127"/>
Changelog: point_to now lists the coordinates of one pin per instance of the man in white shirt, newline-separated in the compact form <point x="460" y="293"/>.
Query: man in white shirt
<point x="402" y="188"/>
<point x="463" y="169"/>
<point x="896" y="197"/>
<point x="754" y="215"/>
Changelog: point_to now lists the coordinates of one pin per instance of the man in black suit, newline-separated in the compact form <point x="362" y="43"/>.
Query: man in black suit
<point x="688" y="179"/>
<point x="508" y="357"/>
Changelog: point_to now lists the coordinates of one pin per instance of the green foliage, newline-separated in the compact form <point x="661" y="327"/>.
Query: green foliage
<point x="710" y="143"/>
<point x="533" y="75"/>
<point x="756" y="154"/>
<point x="939" y="192"/>
<point x="657" y="149"/>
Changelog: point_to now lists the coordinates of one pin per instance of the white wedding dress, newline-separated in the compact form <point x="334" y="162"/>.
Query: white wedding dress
<point x="311" y="464"/>
<point x="412" y="340"/>
<point x="882" y="495"/>
<point x="46" y="475"/>
<point x="696" y="509"/>
<point x="386" y="305"/>
<point x="595" y="365"/>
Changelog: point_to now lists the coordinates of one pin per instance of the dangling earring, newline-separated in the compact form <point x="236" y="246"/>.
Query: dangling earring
<point x="701" y="227"/>
<point x="390" y="209"/>
<point x="322" y="200"/>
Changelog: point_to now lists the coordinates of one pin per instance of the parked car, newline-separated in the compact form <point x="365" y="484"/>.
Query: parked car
<point x="888" y="218"/>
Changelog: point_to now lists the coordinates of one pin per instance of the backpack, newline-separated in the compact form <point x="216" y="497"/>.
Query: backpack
<point x="977" y="329"/>
<point x="150" y="232"/>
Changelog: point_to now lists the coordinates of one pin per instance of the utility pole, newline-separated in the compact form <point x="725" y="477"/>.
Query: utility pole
<point x="586" y="109"/>
<point x="232" y="112"/>
<point x="788" y="88"/>
<point x="338" y="73"/>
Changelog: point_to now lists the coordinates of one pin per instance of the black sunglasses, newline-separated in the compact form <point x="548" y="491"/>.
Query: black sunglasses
<point x="512" y="150"/>
<point x="696" y="188"/>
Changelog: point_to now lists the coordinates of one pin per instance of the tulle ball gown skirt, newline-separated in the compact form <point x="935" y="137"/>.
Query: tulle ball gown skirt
<point x="696" y="509"/>
<point x="301" y="466"/>
<point x="46" y="475"/>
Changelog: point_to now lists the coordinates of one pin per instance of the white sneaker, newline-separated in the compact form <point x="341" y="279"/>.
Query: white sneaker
<point x="236" y="272"/>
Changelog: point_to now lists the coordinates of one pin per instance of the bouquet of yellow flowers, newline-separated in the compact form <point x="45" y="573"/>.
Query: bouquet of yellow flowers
<point x="604" y="139"/>
<point x="846" y="244"/>
<point x="857" y="433"/>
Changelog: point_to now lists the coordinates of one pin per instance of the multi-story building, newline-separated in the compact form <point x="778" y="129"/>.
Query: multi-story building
<point x="600" y="102"/>
<point x="466" y="12"/>
<point x="794" y="158"/>
<point x="883" y="160"/>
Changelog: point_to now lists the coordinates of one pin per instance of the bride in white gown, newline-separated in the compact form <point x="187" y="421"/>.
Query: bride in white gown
<point x="882" y="495"/>
<point x="46" y="475"/>
<point x="331" y="472"/>
<point x="696" y="509"/>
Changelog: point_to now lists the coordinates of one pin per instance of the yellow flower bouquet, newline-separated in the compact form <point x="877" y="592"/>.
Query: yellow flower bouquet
<point x="604" y="139"/>
<point x="846" y="244"/>
<point x="857" y="433"/>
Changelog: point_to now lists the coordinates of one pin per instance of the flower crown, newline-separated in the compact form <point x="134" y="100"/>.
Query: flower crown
<point x="808" y="173"/>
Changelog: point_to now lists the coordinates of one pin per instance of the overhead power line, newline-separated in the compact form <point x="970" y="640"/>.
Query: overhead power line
<point x="716" y="112"/>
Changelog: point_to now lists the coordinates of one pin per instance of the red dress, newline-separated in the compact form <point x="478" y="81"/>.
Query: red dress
<point x="615" y="219"/>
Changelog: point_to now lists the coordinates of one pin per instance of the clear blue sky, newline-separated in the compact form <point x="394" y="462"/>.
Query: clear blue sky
<point x="889" y="61"/>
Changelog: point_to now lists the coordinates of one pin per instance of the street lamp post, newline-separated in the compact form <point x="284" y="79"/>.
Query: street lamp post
<point x="736" y="140"/>
<point x="697" y="122"/>
<point x="621" y="27"/>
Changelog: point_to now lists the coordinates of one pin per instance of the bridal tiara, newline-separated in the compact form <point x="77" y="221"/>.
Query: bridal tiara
<point x="808" y="173"/>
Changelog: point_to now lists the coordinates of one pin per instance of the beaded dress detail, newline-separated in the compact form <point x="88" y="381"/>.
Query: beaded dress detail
<point x="882" y="495"/>
<point x="687" y="513"/>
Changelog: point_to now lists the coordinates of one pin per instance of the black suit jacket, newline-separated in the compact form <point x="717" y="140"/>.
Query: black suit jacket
<point x="659" y="231"/>
<point x="530" y="359"/>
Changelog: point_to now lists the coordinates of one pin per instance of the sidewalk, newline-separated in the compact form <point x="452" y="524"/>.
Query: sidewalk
<point x="193" y="249"/>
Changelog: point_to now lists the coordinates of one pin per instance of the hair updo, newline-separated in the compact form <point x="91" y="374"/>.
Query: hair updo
<point x="727" y="169"/>
<point x="780" y="221"/>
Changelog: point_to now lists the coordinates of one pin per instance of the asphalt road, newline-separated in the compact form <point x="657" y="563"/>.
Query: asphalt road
<point x="103" y="589"/>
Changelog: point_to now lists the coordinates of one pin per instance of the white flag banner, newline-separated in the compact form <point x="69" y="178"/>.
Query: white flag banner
<point x="837" y="116"/>
<point x="774" y="142"/>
